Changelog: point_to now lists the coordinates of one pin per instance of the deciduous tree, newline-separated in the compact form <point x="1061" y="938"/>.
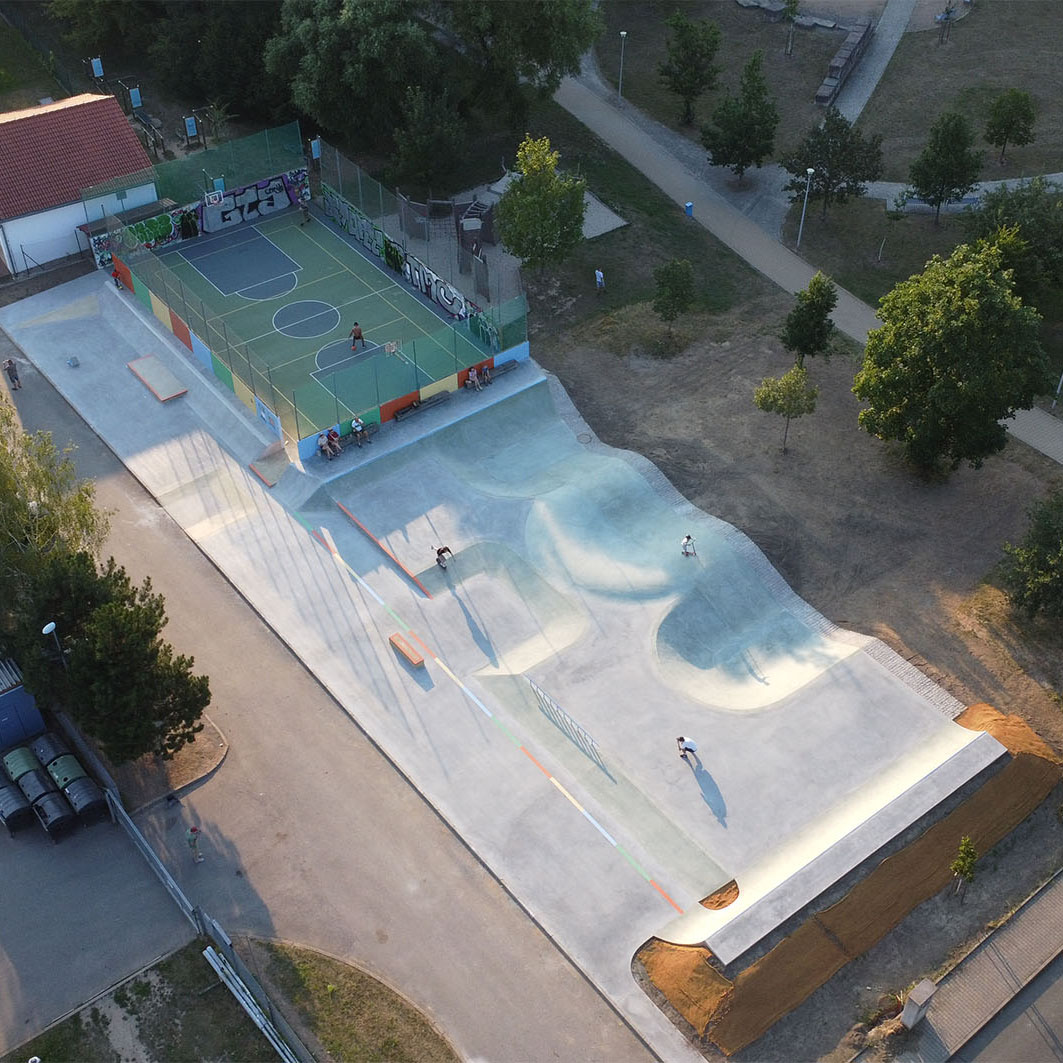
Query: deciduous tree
<point x="1011" y="118"/>
<point x="540" y="215"/>
<point x="742" y="131"/>
<point x="675" y="290"/>
<point x="963" y="866"/>
<point x="689" y="70"/>
<point x="957" y="353"/>
<point x="1035" y="208"/>
<point x="45" y="508"/>
<point x="844" y="161"/>
<point x="790" y="396"/>
<point x="430" y="137"/>
<point x="808" y="329"/>
<point x="1033" y="570"/>
<point x="948" y="167"/>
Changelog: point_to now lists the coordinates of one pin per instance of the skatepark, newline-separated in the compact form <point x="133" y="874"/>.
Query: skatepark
<point x="566" y="645"/>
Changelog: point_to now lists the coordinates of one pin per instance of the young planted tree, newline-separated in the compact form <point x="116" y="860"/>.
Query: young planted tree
<point x="675" y="290"/>
<point x="842" y="157"/>
<point x="957" y="353"/>
<point x="790" y="396"/>
<point x="742" y="131"/>
<point x="963" y="866"/>
<point x="948" y="167"/>
<point x="689" y="70"/>
<point x="540" y="215"/>
<point x="808" y="329"/>
<point x="1033" y="570"/>
<point x="790" y="12"/>
<point x="1011" y="118"/>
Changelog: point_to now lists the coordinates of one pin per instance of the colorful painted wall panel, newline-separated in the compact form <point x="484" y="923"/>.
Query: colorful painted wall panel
<point x="140" y="290"/>
<point x="202" y="352"/>
<point x="387" y="410"/>
<point x="221" y="371"/>
<point x="160" y="309"/>
<point x="123" y="274"/>
<point x="180" y="330"/>
<point x="448" y="383"/>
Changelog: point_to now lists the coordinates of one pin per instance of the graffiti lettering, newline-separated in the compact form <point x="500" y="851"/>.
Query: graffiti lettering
<point x="419" y="276"/>
<point x="351" y="220"/>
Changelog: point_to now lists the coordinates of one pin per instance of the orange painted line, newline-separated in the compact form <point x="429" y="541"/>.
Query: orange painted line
<point x="268" y="483"/>
<point x="666" y="897"/>
<point x="385" y="549"/>
<point x="535" y="762"/>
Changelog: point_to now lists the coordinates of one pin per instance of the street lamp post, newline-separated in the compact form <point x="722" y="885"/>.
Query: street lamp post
<point x="804" y="207"/>
<point x="620" y="83"/>
<point x="49" y="629"/>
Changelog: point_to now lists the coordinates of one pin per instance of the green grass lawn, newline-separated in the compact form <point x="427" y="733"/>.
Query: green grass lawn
<point x="24" y="81"/>
<point x="1001" y="44"/>
<point x="793" y="80"/>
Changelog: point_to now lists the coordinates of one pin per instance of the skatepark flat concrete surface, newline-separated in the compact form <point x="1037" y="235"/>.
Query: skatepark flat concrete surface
<point x="567" y="644"/>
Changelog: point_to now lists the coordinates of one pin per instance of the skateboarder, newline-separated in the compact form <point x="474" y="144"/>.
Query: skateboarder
<point x="687" y="545"/>
<point x="441" y="553"/>
<point x="686" y="745"/>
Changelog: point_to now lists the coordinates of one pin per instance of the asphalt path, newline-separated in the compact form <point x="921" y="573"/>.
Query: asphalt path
<point x="312" y="835"/>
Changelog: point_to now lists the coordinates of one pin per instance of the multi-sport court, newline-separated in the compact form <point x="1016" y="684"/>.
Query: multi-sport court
<point x="286" y="295"/>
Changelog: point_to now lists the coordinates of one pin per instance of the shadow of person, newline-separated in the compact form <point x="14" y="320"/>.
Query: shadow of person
<point x="479" y="636"/>
<point x="710" y="792"/>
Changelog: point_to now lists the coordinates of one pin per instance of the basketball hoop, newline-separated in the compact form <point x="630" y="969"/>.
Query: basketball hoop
<point x="391" y="348"/>
<point x="213" y="199"/>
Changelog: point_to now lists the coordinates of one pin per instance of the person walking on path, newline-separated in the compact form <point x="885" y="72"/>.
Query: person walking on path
<point x="599" y="281"/>
<point x="687" y="546"/>
<point x="686" y="745"/>
<point x="356" y="335"/>
<point x="12" y="374"/>
<point x="192" y="837"/>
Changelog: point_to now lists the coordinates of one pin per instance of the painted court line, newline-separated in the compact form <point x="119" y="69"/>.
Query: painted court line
<point x="325" y="537"/>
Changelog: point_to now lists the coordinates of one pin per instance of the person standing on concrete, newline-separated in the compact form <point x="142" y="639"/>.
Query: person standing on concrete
<point x="599" y="281"/>
<point x="12" y="374"/>
<point x="686" y="745"/>
<point x="192" y="837"/>
<point x="687" y="545"/>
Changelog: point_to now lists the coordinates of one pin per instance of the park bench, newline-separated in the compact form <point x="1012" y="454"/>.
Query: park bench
<point x="424" y="404"/>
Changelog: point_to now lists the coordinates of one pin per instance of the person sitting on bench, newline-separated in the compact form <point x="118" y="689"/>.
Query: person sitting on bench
<point x="485" y="375"/>
<point x="323" y="446"/>
<point x="474" y="380"/>
<point x="358" y="430"/>
<point x="334" y="441"/>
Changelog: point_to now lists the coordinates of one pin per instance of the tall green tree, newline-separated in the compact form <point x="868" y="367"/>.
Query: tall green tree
<point x="689" y="70"/>
<point x="45" y="508"/>
<point x="790" y="396"/>
<point x="1035" y="209"/>
<point x="948" y="167"/>
<point x="844" y="161"/>
<point x="957" y="353"/>
<point x="808" y="329"/>
<point x="430" y="138"/>
<point x="540" y="215"/>
<point x="124" y="686"/>
<point x="91" y="24"/>
<point x="509" y="43"/>
<point x="742" y="131"/>
<point x="674" y="290"/>
<point x="347" y="64"/>
<point x="1011" y="119"/>
<point x="1033" y="570"/>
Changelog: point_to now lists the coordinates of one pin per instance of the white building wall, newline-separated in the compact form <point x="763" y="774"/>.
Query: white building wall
<point x="35" y="239"/>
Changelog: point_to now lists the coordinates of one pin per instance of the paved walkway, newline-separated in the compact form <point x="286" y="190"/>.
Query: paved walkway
<point x="640" y="140"/>
<point x="971" y="994"/>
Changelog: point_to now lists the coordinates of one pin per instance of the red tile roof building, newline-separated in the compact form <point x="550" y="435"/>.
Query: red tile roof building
<point x="48" y="154"/>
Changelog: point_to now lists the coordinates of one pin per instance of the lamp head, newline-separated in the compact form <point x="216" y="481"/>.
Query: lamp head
<point x="623" y="33"/>
<point x="48" y="628"/>
<point x="810" y="171"/>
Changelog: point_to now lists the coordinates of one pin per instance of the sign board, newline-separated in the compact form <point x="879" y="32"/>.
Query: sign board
<point x="97" y="67"/>
<point x="134" y="99"/>
<point x="315" y="148"/>
<point x="191" y="127"/>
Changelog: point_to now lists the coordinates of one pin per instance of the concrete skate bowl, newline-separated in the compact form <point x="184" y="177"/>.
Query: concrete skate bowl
<point x="727" y="643"/>
<point x="500" y="593"/>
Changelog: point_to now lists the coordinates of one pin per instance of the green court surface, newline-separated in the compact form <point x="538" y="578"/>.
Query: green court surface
<point x="295" y="291"/>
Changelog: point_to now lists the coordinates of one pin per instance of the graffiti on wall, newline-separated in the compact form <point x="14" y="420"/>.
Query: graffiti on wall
<point x="421" y="278"/>
<point x="181" y="223"/>
<point x="486" y="331"/>
<point x="246" y="204"/>
<point x="351" y="220"/>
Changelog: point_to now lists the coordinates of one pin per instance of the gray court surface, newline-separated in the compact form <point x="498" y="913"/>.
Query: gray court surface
<point x="568" y="643"/>
<point x="77" y="917"/>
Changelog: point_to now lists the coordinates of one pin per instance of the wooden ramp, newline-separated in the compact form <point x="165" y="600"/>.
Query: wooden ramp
<point x="157" y="378"/>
